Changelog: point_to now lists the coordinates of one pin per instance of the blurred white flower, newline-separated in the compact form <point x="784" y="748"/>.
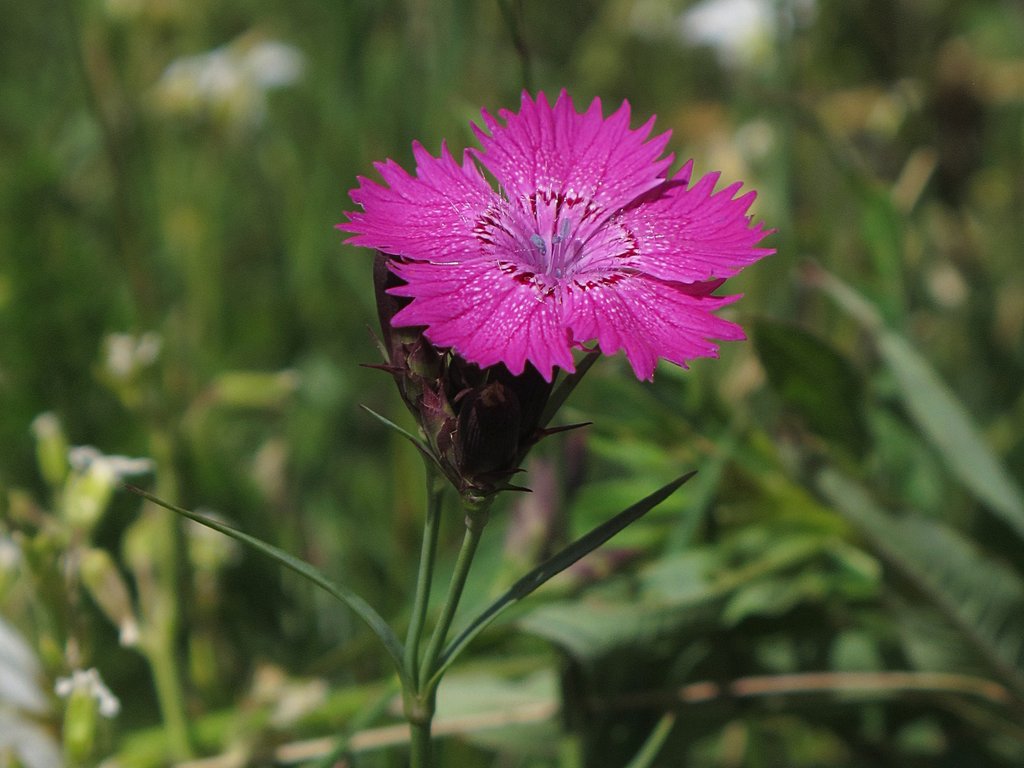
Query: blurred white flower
<point x="84" y="459"/>
<point x="19" y="671"/>
<point x="742" y="32"/>
<point x="229" y="82"/>
<point x="21" y="701"/>
<point x="88" y="681"/>
<point x="27" y="743"/>
<point x="274" y="64"/>
<point x="737" y="29"/>
<point x="91" y="485"/>
<point x="46" y="425"/>
<point x="127" y="354"/>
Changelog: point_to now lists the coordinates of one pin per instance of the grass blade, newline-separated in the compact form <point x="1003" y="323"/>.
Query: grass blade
<point x="935" y="409"/>
<point x="365" y="611"/>
<point x="566" y="386"/>
<point x="980" y="596"/>
<point x="951" y="430"/>
<point x="649" y="751"/>
<point x="555" y="565"/>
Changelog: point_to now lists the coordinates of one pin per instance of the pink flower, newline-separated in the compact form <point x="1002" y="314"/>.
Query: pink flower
<point x="587" y="239"/>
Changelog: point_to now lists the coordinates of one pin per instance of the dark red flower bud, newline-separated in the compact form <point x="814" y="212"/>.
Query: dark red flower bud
<point x="478" y="423"/>
<point x="411" y="359"/>
<point x="488" y="439"/>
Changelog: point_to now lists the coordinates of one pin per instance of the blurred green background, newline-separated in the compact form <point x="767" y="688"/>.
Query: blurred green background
<point x="842" y="585"/>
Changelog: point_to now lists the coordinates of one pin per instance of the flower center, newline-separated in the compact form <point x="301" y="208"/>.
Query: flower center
<point x="556" y="238"/>
<point x="557" y="252"/>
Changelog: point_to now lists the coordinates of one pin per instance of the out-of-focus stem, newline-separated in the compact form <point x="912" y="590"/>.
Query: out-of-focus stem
<point x="512" y="10"/>
<point x="420" y="748"/>
<point x="162" y="614"/>
<point x="649" y="751"/>
<point x="171" y="697"/>
<point x="119" y="130"/>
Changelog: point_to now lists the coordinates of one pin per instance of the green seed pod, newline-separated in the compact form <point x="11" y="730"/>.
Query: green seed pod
<point x="254" y="389"/>
<point x="81" y="720"/>
<point x="51" y="448"/>
<point x="107" y="587"/>
<point x="87" y="494"/>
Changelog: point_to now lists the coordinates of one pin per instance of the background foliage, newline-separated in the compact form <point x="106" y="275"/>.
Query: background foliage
<point x="843" y="583"/>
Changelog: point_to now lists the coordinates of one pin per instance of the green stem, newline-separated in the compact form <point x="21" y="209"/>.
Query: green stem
<point x="476" y="520"/>
<point x="121" y="142"/>
<point x="425" y="577"/>
<point x="163" y="614"/>
<point x="171" y="697"/>
<point x="419" y="704"/>
<point x="420" y="746"/>
<point x="512" y="11"/>
<point x="649" y="751"/>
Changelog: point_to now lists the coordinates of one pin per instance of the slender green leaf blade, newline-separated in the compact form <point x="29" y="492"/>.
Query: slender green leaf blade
<point x="882" y="229"/>
<point x="935" y="409"/>
<point x="558" y="563"/>
<point x="420" y="445"/>
<point x="391" y="425"/>
<point x="565" y="388"/>
<point x="365" y="611"/>
<point x="649" y="751"/>
<point x="982" y="597"/>
<point x="949" y="427"/>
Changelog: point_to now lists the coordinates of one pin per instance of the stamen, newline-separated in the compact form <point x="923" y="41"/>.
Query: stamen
<point x="563" y="233"/>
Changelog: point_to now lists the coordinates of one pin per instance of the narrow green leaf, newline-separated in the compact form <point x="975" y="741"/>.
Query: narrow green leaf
<point x="421" y="446"/>
<point x="979" y="595"/>
<point x="881" y="226"/>
<point x="566" y="386"/>
<point x="949" y="427"/>
<point x="556" y="564"/>
<point x="935" y="409"/>
<point x="365" y="611"/>
<point x="677" y="596"/>
<point x="652" y="746"/>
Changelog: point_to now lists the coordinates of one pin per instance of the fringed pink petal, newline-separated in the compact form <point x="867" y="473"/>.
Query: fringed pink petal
<point x="694" y="234"/>
<point x="583" y="155"/>
<point x="585" y="240"/>
<point x="429" y="216"/>
<point x="485" y="315"/>
<point x="648" y="319"/>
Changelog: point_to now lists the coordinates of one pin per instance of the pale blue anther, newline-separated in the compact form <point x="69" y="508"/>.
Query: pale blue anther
<point x="553" y="256"/>
<point x="563" y="233"/>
